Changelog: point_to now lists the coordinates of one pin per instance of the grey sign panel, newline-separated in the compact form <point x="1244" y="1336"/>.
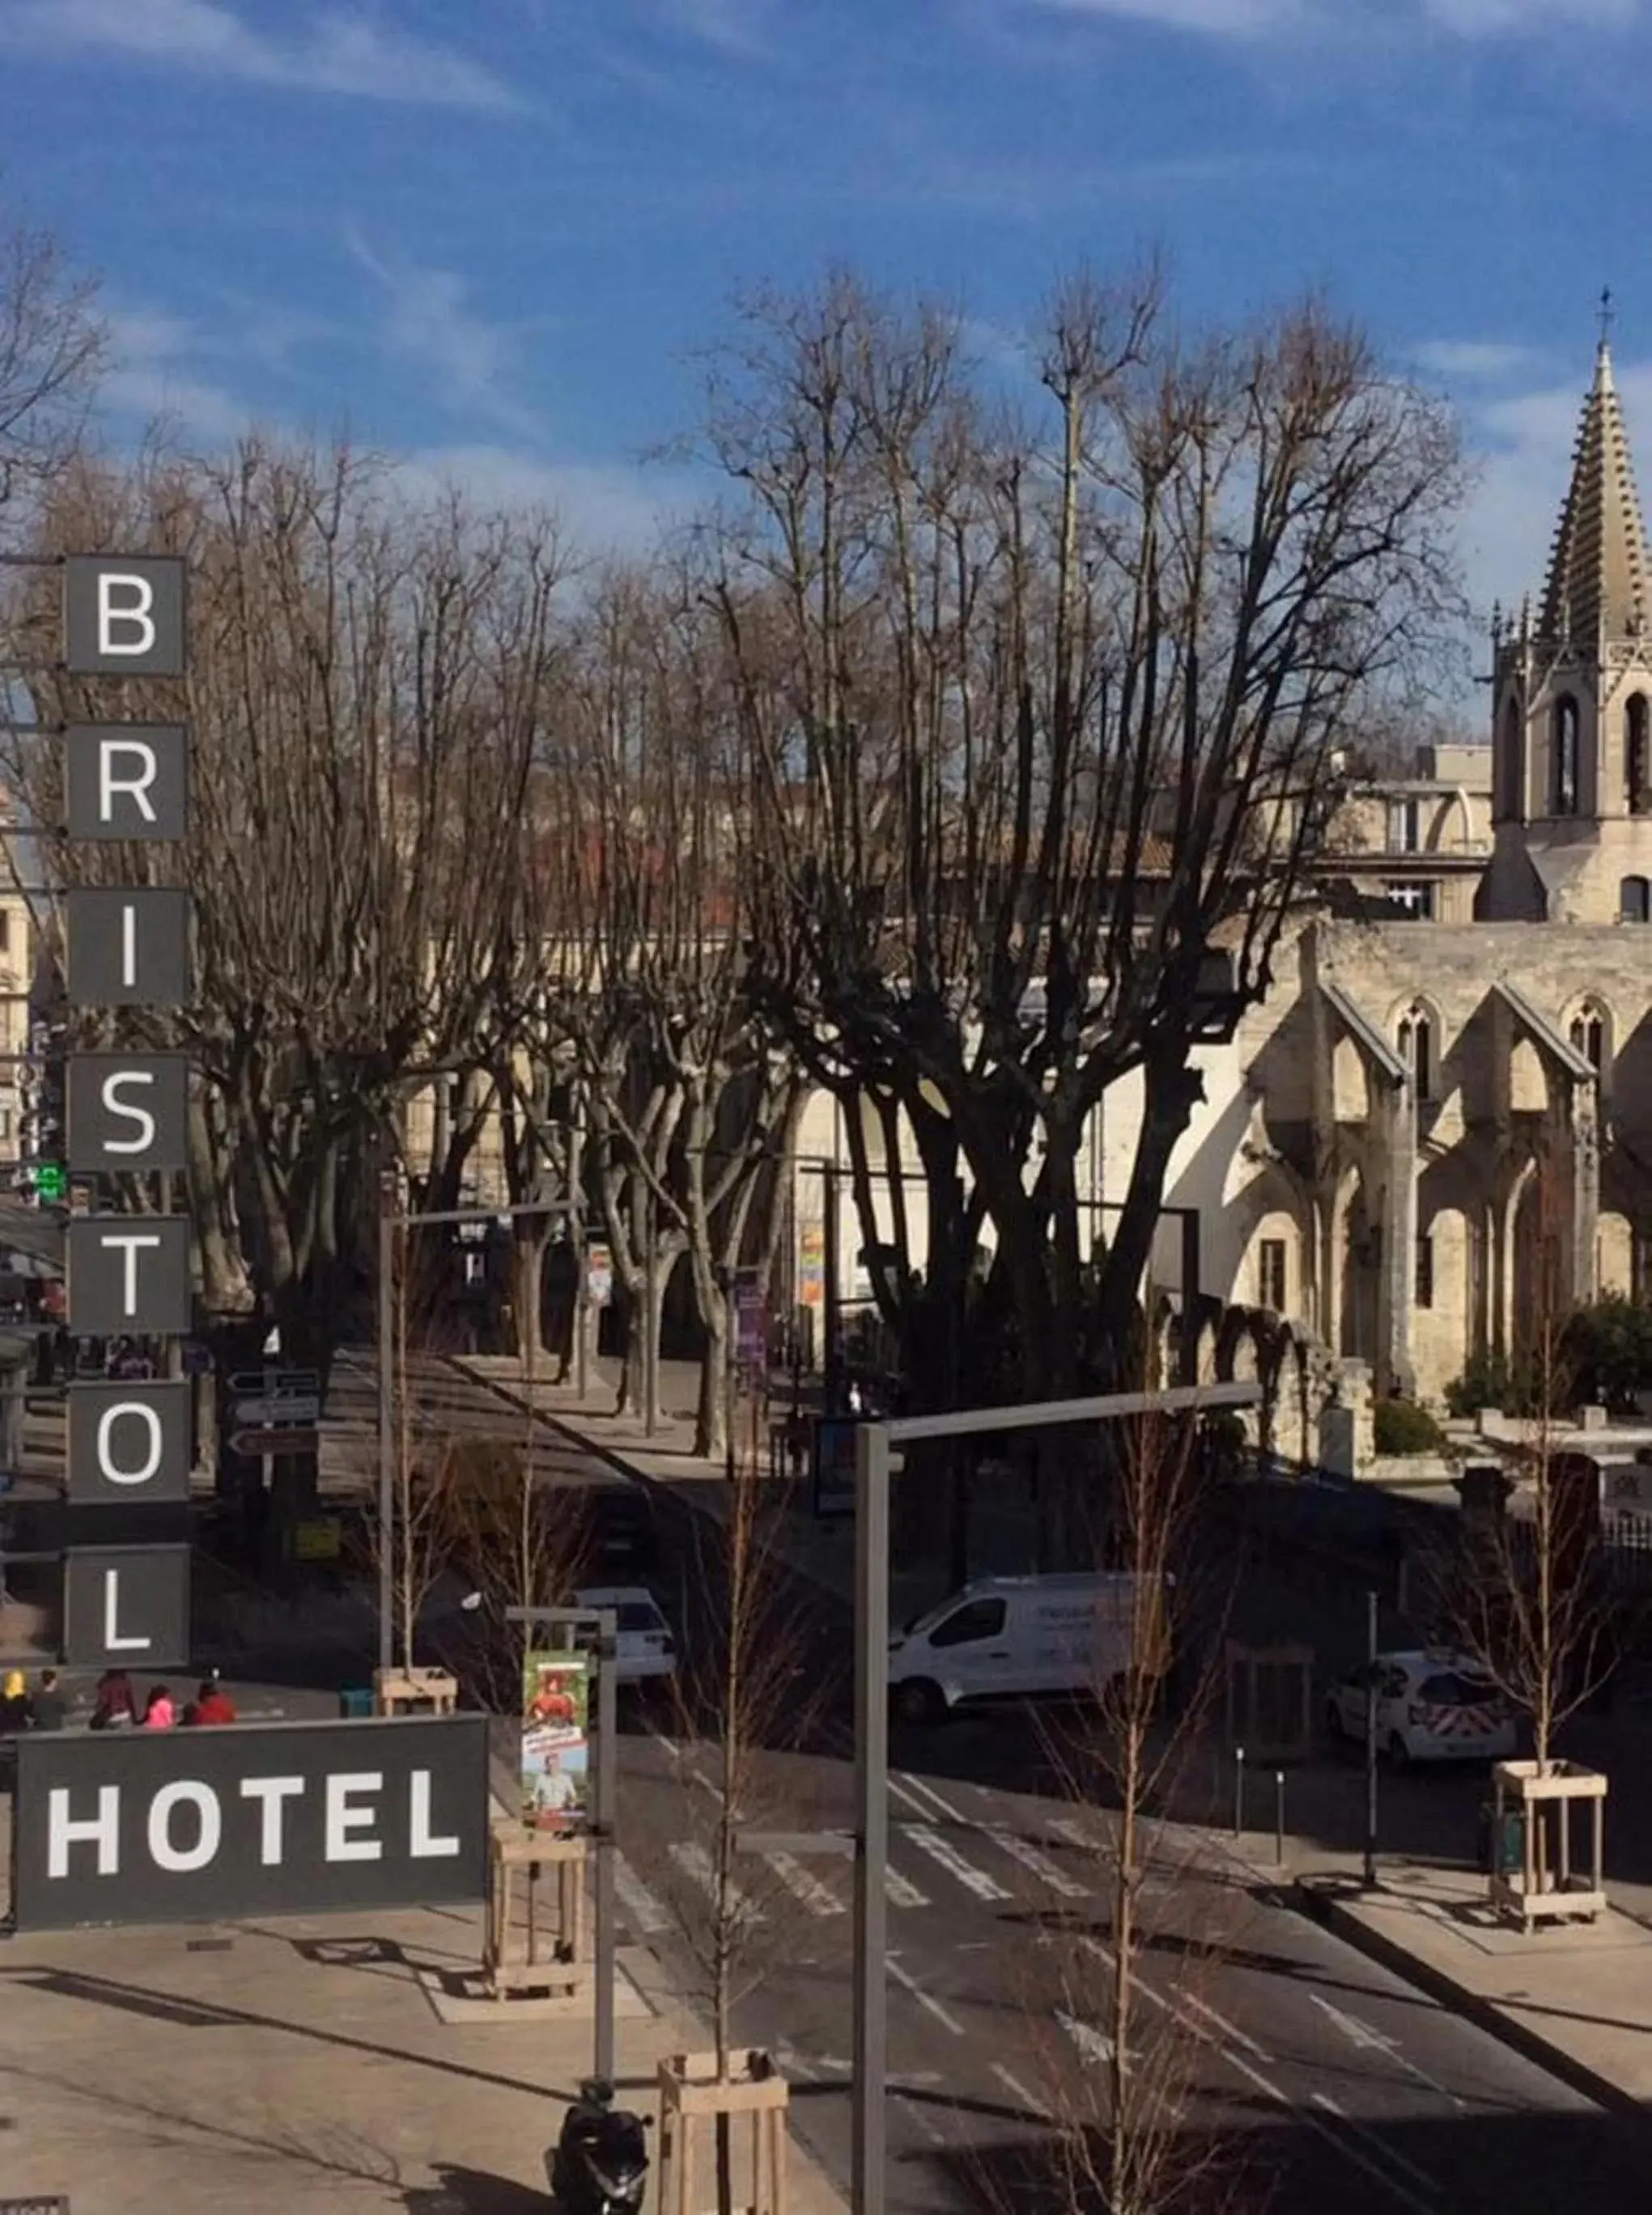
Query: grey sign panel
<point x="123" y="615"/>
<point x="128" y="946"/>
<point x="128" y="1111"/>
<point x="267" y="1818"/>
<point x="128" y="1442"/>
<point x="125" y="1607"/>
<point x="127" y="779"/>
<point x="128" y="1275"/>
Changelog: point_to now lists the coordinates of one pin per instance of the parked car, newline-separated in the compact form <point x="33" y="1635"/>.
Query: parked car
<point x="1432" y="1705"/>
<point x="644" y="1647"/>
<point x="620" y="1528"/>
<point x="1017" y="1637"/>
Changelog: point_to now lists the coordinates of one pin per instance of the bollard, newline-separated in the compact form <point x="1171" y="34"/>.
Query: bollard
<point x="1238" y="1791"/>
<point x="1279" y="1817"/>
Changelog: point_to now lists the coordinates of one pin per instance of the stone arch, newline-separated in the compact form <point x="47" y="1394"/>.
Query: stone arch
<point x="1350" y="1089"/>
<point x="1528" y="1079"/>
<point x="1614" y="1255"/>
<point x="1441" y="1321"/>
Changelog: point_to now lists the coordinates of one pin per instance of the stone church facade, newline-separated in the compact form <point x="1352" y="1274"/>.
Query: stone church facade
<point x="1434" y="1127"/>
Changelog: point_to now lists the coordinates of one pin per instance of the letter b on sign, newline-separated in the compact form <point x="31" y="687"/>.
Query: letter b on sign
<point x="128" y="1442"/>
<point x="123" y="616"/>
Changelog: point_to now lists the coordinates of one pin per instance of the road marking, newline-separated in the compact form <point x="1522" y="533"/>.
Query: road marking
<point x="1231" y="2029"/>
<point x="1020" y="1849"/>
<point x="1378" y="2145"/>
<point x="799" y="1881"/>
<point x="672" y="1748"/>
<point x="908" y="1982"/>
<point x="1018" y="2092"/>
<point x="1075" y="1833"/>
<point x="1363" y="2035"/>
<point x="921" y="2116"/>
<point x="942" y="1850"/>
<point x="946" y="1808"/>
<point x="1094" y="2044"/>
<point x="695" y="1863"/>
<point x="910" y="1799"/>
<point x="643" y="1910"/>
<point x="901" y="1892"/>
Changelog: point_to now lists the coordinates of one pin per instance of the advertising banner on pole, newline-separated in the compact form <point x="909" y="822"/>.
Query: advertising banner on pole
<point x="261" y="1818"/>
<point x="555" y="1740"/>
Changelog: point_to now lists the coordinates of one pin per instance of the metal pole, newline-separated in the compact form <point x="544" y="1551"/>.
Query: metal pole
<point x="1279" y="1817"/>
<point x="386" y="1199"/>
<point x="582" y="1312"/>
<point x="831" y="1312"/>
<point x="651" y="1328"/>
<point x="608" y="1763"/>
<point x="871" y="1460"/>
<point x="1238" y="1791"/>
<point x="1187" y="1362"/>
<point x="1369" y="1875"/>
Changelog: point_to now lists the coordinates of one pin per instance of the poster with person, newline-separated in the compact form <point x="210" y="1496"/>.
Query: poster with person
<point x="555" y="1749"/>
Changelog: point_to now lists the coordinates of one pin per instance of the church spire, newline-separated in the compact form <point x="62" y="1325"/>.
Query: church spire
<point x="1598" y="572"/>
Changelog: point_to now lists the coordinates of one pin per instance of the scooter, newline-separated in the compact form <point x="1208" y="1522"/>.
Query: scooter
<point x="600" y="2163"/>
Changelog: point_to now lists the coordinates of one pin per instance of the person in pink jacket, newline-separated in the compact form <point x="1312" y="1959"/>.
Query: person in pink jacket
<point x="160" y="1714"/>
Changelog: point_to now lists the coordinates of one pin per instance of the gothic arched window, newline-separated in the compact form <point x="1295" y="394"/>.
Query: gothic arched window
<point x="1590" y="1034"/>
<point x="1638" y="766"/>
<point x="1563" y="728"/>
<point x="1417" y="1050"/>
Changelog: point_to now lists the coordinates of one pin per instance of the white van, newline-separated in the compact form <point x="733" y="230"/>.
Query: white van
<point x="1012" y="1638"/>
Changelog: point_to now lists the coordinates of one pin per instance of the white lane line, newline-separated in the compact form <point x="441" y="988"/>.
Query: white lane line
<point x="945" y="1807"/>
<point x="1228" y="2029"/>
<point x="1379" y="2145"/>
<point x="696" y="1863"/>
<point x="1018" y="2092"/>
<point x="643" y="1911"/>
<point x="1363" y="2035"/>
<point x="910" y="1799"/>
<point x="1021" y="1849"/>
<point x="928" y="2001"/>
<point x="802" y="1884"/>
<point x="943" y="1852"/>
<point x="901" y="1892"/>
<point x="1064" y="1826"/>
<point x="921" y="2116"/>
<point x="673" y="1750"/>
<point x="1237" y="2061"/>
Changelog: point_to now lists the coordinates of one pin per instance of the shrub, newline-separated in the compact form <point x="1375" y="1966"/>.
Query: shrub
<point x="1491" y="1381"/>
<point x="1608" y="1352"/>
<point x="1403" y="1427"/>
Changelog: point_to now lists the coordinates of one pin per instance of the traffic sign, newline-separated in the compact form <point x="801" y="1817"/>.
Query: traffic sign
<point x="282" y="1412"/>
<point x="274" y="1383"/>
<point x="276" y="1444"/>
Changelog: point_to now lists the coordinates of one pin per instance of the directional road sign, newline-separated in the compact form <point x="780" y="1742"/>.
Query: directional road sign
<point x="285" y="1411"/>
<point x="275" y="1443"/>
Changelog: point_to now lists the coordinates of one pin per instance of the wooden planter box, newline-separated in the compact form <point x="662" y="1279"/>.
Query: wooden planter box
<point x="692" y="2095"/>
<point x="414" y="1691"/>
<point x="1546" y="1887"/>
<point x="542" y="1950"/>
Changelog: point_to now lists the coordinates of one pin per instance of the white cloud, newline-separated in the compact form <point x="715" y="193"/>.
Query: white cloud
<point x="1241" y="19"/>
<point x="1482" y="361"/>
<point x="152" y="379"/>
<point x="603" y="507"/>
<point x="338" y="50"/>
<point x="470" y="362"/>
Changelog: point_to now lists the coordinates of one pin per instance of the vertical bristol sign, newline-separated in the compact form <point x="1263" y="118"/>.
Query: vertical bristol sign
<point x="129" y="1274"/>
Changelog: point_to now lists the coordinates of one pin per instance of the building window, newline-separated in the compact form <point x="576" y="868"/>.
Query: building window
<point x="1637" y="763"/>
<point x="1423" y="1290"/>
<point x="1271" y="1274"/>
<point x="1416" y="1051"/>
<point x="1635" y="900"/>
<point x="1563" y="730"/>
<point x="5" y="930"/>
<point x="1414" y="901"/>
<point x="1588" y="1035"/>
<point x="1403" y="829"/>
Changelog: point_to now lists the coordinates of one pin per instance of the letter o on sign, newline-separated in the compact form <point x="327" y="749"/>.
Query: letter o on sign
<point x="144" y="1468"/>
<point x="181" y="1860"/>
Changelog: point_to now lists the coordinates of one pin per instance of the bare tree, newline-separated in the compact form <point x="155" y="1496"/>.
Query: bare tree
<point x="1041" y="721"/>
<point x="52" y="346"/>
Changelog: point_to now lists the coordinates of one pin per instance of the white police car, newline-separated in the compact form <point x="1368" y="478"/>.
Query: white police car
<point x="1432" y="1705"/>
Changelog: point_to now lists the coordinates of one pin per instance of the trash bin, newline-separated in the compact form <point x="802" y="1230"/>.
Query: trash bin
<point x="1501" y="1853"/>
<point x="356" y="1702"/>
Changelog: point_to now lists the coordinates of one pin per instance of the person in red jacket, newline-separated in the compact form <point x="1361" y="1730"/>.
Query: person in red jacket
<point x="212" y="1704"/>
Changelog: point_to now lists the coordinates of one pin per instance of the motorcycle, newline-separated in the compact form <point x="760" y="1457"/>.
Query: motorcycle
<point x="600" y="2163"/>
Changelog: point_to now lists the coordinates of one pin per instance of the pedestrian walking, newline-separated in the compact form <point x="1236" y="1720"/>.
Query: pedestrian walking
<point x="211" y="1704"/>
<point x="17" y="1709"/>
<point x="51" y="1706"/>
<point x="114" y="1706"/>
<point x="159" y="1713"/>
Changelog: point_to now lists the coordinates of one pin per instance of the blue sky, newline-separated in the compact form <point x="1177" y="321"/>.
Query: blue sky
<point x="489" y="234"/>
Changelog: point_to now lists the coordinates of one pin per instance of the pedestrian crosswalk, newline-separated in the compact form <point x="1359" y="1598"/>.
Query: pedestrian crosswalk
<point x="936" y="1853"/>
